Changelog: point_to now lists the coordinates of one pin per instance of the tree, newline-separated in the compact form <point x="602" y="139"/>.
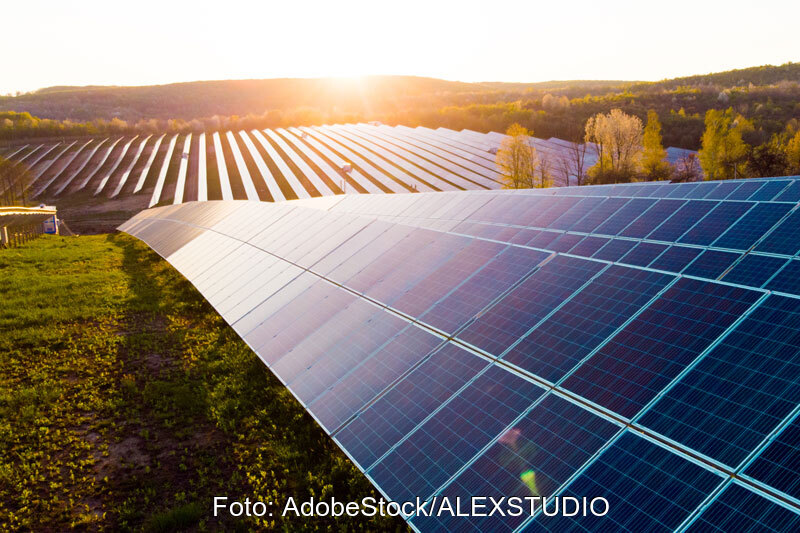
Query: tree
<point x="516" y="159"/>
<point x="792" y="151"/>
<point x="617" y="137"/>
<point x="767" y="160"/>
<point x="724" y="152"/>
<point x="653" y="156"/>
<point x="572" y="160"/>
<point x="687" y="168"/>
<point x="543" y="177"/>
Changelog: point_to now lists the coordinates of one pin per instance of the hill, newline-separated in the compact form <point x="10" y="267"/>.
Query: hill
<point x="768" y="96"/>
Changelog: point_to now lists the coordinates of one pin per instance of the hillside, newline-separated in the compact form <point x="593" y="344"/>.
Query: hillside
<point x="769" y="96"/>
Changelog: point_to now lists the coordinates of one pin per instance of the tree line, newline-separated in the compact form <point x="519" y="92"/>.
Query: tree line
<point x="626" y="150"/>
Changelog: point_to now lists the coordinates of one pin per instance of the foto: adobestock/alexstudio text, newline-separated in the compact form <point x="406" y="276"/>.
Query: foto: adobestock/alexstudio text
<point x="438" y="506"/>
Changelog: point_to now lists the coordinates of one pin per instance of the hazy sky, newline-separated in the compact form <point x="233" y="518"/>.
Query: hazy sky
<point x="145" y="42"/>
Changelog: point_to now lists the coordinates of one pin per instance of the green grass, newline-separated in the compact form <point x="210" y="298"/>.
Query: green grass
<point x="126" y="403"/>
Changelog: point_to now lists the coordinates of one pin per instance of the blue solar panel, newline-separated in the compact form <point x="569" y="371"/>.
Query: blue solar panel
<point x="739" y="509"/>
<point x="647" y="222"/>
<point x="790" y="193"/>
<point x="565" y="242"/>
<point x="453" y="435"/>
<point x="695" y="368"/>
<point x="769" y="191"/>
<point x="643" y="254"/>
<point x="639" y="361"/>
<point x="701" y="190"/>
<point x="381" y="425"/>
<point x="510" y="318"/>
<point x="575" y="213"/>
<point x="469" y="298"/>
<point x="779" y="464"/>
<point x="746" y="190"/>
<point x="444" y="279"/>
<point x="711" y="264"/>
<point x="754" y="270"/>
<point x="715" y="223"/>
<point x="741" y="390"/>
<point x="752" y="226"/>
<point x="543" y="239"/>
<point x="533" y="458"/>
<point x="723" y="189"/>
<point x="785" y="239"/>
<point x="615" y="249"/>
<point x="647" y="488"/>
<point x="584" y="322"/>
<point x="338" y="386"/>
<point x="599" y="215"/>
<point x="675" y="258"/>
<point x="588" y="246"/>
<point x="624" y="216"/>
<point x="681" y="220"/>
<point x="786" y="280"/>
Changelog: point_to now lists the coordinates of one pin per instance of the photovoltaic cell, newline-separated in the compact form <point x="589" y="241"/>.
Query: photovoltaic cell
<point x="453" y="435"/>
<point x="785" y="239"/>
<point x="624" y="216"/>
<point x="746" y="190"/>
<point x="599" y="215"/>
<point x="786" y="280"/>
<point x="650" y="220"/>
<point x="754" y="270"/>
<point x="790" y="193"/>
<point x="739" y="509"/>
<point x="533" y="458"/>
<point x="643" y="254"/>
<point x="639" y="361"/>
<point x="588" y="246"/>
<point x="770" y="190"/>
<point x="715" y="223"/>
<point x="381" y="425"/>
<point x="779" y="464"/>
<point x="510" y="318"/>
<point x="681" y="220"/>
<point x="614" y="249"/>
<point x="651" y="489"/>
<point x="584" y="322"/>
<point x="752" y="226"/>
<point x="675" y="258"/>
<point x="723" y="190"/>
<point x="565" y="242"/>
<point x="741" y="390"/>
<point x="474" y="294"/>
<point x="363" y="379"/>
<point x="711" y="264"/>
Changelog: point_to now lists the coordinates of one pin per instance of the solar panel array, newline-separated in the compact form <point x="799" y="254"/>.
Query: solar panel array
<point x="635" y="342"/>
<point x="271" y="165"/>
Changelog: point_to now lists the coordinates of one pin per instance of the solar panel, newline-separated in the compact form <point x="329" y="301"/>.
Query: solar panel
<point x="464" y="345"/>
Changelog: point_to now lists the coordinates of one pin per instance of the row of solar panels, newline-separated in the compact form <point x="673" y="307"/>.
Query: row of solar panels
<point x="268" y="165"/>
<point x="272" y="165"/>
<point x="447" y="362"/>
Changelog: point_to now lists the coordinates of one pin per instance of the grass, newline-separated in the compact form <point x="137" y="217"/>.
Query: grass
<point x="126" y="403"/>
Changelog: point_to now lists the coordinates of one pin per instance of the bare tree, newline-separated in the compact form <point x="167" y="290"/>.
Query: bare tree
<point x="572" y="163"/>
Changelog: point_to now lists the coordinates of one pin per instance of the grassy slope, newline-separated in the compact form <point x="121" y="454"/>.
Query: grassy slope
<point x="127" y="403"/>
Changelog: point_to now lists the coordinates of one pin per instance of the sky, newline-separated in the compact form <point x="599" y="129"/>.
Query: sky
<point x="146" y="42"/>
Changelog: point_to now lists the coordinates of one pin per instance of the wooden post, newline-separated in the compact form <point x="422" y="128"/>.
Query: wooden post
<point x="4" y="237"/>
